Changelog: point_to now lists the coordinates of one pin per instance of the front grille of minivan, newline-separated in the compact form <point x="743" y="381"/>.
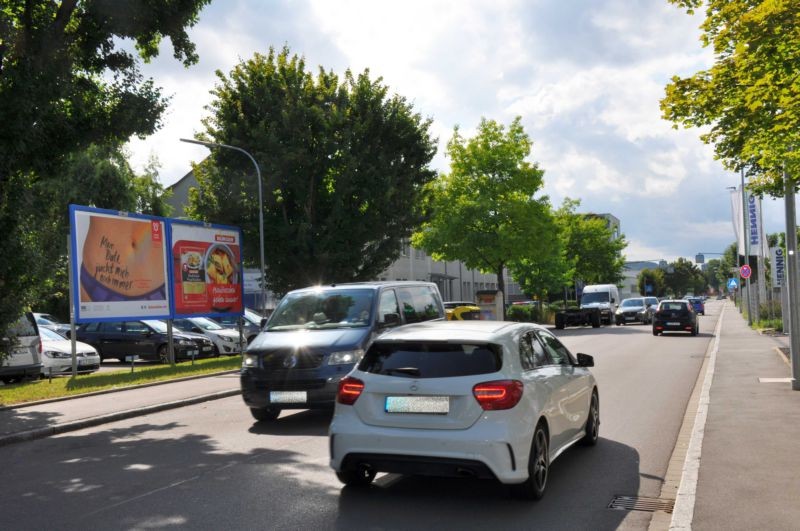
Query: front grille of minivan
<point x="279" y="360"/>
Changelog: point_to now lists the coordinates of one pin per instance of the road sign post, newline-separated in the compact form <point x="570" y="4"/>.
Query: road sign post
<point x="745" y="271"/>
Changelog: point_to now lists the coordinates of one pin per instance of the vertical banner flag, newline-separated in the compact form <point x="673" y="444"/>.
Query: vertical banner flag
<point x="736" y="211"/>
<point x="207" y="269"/>
<point x="755" y="229"/>
<point x="778" y="262"/>
<point x="119" y="267"/>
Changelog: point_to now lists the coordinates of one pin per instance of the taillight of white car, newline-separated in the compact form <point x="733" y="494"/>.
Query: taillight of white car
<point x="498" y="394"/>
<point x="349" y="390"/>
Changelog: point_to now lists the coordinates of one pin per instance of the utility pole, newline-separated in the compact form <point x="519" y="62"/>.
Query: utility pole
<point x="792" y="274"/>
<point x="745" y="215"/>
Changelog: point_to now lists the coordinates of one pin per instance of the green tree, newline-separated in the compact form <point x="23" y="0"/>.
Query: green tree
<point x="66" y="84"/>
<point x="711" y="274"/>
<point x="654" y="278"/>
<point x="684" y="277"/>
<point x="485" y="211"/>
<point x="99" y="176"/>
<point x="748" y="100"/>
<point x="343" y="163"/>
<point x="593" y="254"/>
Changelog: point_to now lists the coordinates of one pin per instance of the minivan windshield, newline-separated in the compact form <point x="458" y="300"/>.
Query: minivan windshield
<point x="323" y="309"/>
<point x="591" y="298"/>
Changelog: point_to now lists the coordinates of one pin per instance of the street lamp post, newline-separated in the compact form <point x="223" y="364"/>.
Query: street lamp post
<point x="260" y="207"/>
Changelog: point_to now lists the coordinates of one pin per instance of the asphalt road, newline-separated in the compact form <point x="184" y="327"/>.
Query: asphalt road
<point x="210" y="466"/>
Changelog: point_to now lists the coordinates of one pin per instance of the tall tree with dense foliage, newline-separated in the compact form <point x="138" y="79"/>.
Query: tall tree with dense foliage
<point x="651" y="282"/>
<point x="343" y="165"/>
<point x="593" y="253"/>
<point x="485" y="212"/>
<point x="748" y="100"/>
<point x="65" y="84"/>
<point x="684" y="277"/>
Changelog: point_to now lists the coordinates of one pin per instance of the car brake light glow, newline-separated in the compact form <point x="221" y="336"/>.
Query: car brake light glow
<point x="349" y="390"/>
<point x="498" y="394"/>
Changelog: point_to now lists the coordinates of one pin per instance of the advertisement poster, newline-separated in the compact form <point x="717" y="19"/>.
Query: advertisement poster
<point x="119" y="266"/>
<point x="206" y="269"/>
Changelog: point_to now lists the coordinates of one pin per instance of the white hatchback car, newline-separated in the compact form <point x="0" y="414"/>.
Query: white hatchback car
<point x="226" y="340"/>
<point x="57" y="354"/>
<point x="481" y="399"/>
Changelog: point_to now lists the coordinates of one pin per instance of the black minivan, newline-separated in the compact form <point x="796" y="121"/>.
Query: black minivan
<point x="316" y="336"/>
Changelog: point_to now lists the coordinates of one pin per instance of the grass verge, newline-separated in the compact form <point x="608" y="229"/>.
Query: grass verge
<point x="67" y="386"/>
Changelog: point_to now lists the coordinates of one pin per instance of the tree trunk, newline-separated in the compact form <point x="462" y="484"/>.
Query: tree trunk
<point x="501" y="285"/>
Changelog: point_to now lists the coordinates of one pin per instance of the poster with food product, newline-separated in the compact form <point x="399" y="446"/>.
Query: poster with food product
<point x="119" y="266"/>
<point x="206" y="269"/>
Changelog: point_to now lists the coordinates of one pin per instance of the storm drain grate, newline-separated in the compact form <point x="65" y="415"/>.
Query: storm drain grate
<point x="638" y="503"/>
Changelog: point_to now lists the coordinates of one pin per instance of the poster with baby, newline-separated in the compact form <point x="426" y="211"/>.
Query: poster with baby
<point x="206" y="269"/>
<point x="119" y="266"/>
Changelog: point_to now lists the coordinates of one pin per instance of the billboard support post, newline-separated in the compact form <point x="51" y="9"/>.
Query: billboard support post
<point x="72" y="339"/>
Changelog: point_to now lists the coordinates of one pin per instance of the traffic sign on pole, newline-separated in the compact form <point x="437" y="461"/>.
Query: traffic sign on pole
<point x="732" y="284"/>
<point x="745" y="271"/>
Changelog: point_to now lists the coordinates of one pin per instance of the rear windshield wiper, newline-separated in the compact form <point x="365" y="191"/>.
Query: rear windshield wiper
<point x="413" y="371"/>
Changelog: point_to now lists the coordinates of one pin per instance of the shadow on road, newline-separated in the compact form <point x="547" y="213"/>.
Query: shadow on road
<point x="150" y="476"/>
<point x="302" y="422"/>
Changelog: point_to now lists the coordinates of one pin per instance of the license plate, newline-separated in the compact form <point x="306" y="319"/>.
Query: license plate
<point x="673" y="324"/>
<point x="206" y="348"/>
<point x="84" y="362"/>
<point x="629" y="318"/>
<point x="192" y="353"/>
<point x="437" y="405"/>
<point x="288" y="397"/>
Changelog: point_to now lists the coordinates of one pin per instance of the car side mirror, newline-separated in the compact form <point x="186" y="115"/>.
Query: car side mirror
<point x="263" y="322"/>
<point x="613" y="300"/>
<point x="197" y="330"/>
<point x="585" y="360"/>
<point x="390" y="319"/>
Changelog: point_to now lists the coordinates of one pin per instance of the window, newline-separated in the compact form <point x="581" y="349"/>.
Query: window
<point x="419" y="304"/>
<point x="111" y="328"/>
<point x="532" y="353"/>
<point x="526" y="353"/>
<point x="136" y="327"/>
<point x="388" y="304"/>
<point x="555" y="350"/>
<point x="431" y="359"/>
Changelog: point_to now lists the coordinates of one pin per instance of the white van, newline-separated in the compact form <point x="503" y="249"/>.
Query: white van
<point x="24" y="347"/>
<point x="605" y="297"/>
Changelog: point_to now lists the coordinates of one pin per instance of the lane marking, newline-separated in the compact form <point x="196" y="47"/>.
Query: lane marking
<point x="683" y="513"/>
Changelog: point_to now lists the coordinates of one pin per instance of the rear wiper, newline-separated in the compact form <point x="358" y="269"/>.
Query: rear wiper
<point x="413" y="371"/>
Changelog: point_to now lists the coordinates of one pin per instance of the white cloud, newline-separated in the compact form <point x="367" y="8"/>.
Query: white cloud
<point x="586" y="77"/>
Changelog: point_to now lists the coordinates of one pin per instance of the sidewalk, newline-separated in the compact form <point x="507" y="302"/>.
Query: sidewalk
<point x="749" y="476"/>
<point x="44" y="419"/>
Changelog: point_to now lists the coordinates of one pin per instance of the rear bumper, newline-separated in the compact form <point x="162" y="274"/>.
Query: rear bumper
<point x="683" y="326"/>
<point x="483" y="450"/>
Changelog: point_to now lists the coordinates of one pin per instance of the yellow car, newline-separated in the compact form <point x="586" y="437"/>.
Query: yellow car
<point x="463" y="313"/>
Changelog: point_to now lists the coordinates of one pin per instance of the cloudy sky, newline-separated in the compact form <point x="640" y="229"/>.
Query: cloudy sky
<point x="586" y="76"/>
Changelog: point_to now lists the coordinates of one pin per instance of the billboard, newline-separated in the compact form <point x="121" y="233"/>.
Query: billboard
<point x="206" y="262"/>
<point x="119" y="266"/>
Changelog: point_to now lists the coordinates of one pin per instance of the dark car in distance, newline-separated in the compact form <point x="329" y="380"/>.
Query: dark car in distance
<point x="675" y="316"/>
<point x="633" y="310"/>
<point x="146" y="339"/>
<point x="698" y="305"/>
